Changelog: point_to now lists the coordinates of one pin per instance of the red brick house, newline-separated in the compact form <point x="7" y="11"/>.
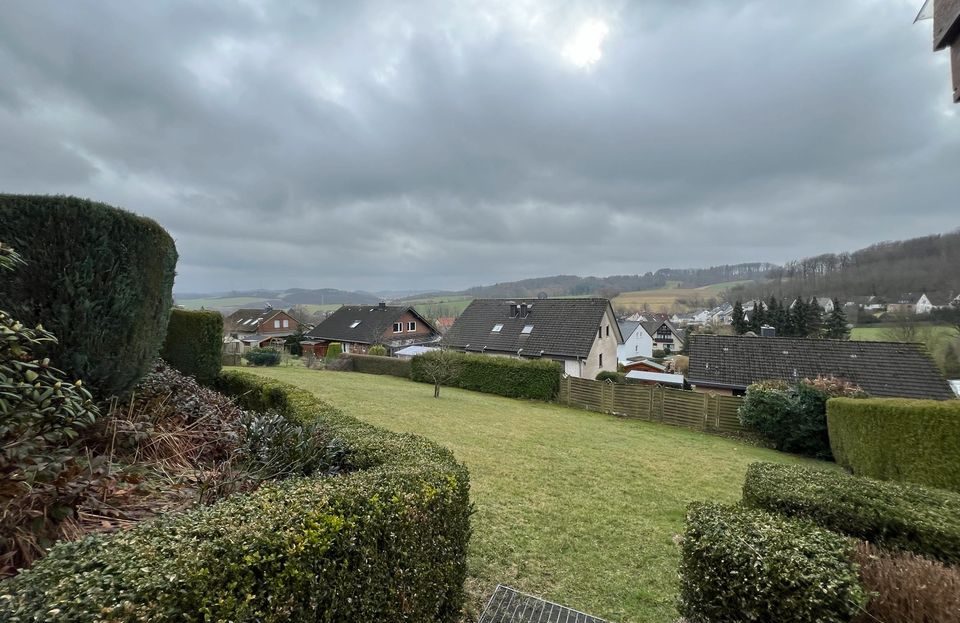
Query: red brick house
<point x="260" y="327"/>
<point x="358" y="327"/>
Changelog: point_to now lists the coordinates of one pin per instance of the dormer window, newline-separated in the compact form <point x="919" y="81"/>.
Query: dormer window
<point x="354" y="324"/>
<point x="497" y="328"/>
<point x="527" y="329"/>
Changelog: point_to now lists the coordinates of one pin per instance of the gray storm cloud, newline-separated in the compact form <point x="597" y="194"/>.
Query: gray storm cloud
<point x="386" y="145"/>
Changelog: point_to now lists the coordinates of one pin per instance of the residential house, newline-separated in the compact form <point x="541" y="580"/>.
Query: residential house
<point x="728" y="364"/>
<point x="643" y="365"/>
<point x="902" y="306"/>
<point x="664" y="335"/>
<point x="923" y="305"/>
<point x="636" y="341"/>
<point x="358" y="327"/>
<point x="260" y="327"/>
<point x="582" y="334"/>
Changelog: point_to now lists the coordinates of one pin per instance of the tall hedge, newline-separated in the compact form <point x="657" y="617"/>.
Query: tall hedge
<point x="741" y="564"/>
<point x="892" y="515"/>
<point x="515" y="378"/>
<point x="194" y="343"/>
<point x="98" y="277"/>
<point x="376" y="364"/>
<point x="897" y="439"/>
<point x="385" y="541"/>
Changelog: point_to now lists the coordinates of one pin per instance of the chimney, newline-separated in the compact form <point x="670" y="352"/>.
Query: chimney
<point x="768" y="331"/>
<point x="523" y="310"/>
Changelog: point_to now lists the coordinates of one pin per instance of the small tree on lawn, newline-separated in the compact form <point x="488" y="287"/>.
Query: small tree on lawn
<point x="441" y="367"/>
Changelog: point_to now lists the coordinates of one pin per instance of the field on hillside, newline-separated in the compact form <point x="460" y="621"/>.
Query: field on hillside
<point x="937" y="337"/>
<point x="581" y="508"/>
<point x="219" y="303"/>
<point x="668" y="300"/>
<point x="438" y="306"/>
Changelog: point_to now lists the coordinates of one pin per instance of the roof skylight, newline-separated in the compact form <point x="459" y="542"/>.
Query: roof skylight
<point x="527" y="329"/>
<point x="497" y="328"/>
<point x="354" y="324"/>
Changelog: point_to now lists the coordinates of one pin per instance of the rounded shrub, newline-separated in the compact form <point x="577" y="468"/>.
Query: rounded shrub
<point x="194" y="343"/>
<point x="378" y="350"/>
<point x="615" y="377"/>
<point x="262" y="357"/>
<point x="98" y="277"/>
<point x="334" y="350"/>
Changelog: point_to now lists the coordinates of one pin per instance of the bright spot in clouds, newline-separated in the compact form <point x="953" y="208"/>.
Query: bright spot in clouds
<point x="586" y="46"/>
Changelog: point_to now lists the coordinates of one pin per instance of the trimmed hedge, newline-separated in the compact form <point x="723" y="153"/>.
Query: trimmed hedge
<point x="194" y="343"/>
<point x="99" y="278"/>
<point x="262" y="357"/>
<point x="386" y="541"/>
<point x="375" y="364"/>
<point x="746" y="565"/>
<point x="891" y="515"/>
<point x="897" y="439"/>
<point x="515" y="378"/>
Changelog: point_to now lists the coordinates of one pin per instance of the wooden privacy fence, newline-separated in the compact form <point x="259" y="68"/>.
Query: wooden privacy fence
<point x="706" y="412"/>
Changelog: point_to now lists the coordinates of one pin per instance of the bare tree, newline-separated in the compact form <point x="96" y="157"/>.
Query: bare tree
<point x="905" y="328"/>
<point x="440" y="367"/>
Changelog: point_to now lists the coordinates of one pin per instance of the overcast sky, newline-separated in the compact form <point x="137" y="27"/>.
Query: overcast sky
<point x="443" y="144"/>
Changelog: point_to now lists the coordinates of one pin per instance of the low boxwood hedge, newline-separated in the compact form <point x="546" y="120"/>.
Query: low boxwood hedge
<point x="892" y="515"/>
<point x="194" y="343"/>
<point x="515" y="378"/>
<point x="898" y="439"/>
<point x="376" y="364"/>
<point x="742" y="564"/>
<point x="385" y="541"/>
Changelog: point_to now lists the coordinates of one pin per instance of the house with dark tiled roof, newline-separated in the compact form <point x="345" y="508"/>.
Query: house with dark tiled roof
<point x="580" y="333"/>
<point x="728" y="364"/>
<point x="636" y="341"/>
<point x="358" y="327"/>
<point x="260" y="327"/>
<point x="664" y="335"/>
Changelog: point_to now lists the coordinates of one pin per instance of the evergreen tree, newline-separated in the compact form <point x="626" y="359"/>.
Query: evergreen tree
<point x="773" y="310"/>
<point x="758" y="317"/>
<point x="951" y="365"/>
<point x="836" y="328"/>
<point x="814" y="318"/>
<point x="739" y="322"/>
<point x="797" y="318"/>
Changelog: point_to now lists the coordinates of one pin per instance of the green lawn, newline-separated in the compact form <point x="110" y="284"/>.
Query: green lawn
<point x="578" y="507"/>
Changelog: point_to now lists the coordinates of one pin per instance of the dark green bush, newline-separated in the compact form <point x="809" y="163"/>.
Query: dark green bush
<point x="615" y="377"/>
<point x="373" y="364"/>
<point x="746" y="565"/>
<point x="98" y="277"/>
<point x="897" y="439"/>
<point x="194" y="343"/>
<point x="386" y="541"/>
<point x="514" y="378"/>
<point x="794" y="416"/>
<point x="891" y="515"/>
<point x="262" y="357"/>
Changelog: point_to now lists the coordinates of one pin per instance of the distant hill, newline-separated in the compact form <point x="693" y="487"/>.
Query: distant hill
<point x="888" y="270"/>
<point x="277" y="298"/>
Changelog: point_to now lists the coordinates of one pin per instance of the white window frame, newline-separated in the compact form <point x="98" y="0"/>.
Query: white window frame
<point x="398" y="327"/>
<point x="286" y="324"/>
<point x="276" y="324"/>
<point x="412" y="325"/>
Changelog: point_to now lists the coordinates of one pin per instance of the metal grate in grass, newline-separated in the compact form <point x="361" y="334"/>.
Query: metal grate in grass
<point x="508" y="605"/>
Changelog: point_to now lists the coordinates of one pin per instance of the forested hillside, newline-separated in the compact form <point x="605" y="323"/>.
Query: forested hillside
<point x="889" y="270"/>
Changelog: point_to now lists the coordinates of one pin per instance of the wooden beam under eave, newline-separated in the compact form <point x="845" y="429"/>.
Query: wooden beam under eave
<point x="946" y="23"/>
<point x="955" y="65"/>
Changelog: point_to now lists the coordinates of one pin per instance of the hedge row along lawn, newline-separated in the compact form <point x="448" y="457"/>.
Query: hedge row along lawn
<point x="581" y="508"/>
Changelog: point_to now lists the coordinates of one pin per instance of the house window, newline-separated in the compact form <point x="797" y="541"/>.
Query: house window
<point x="497" y="328"/>
<point x="601" y="360"/>
<point x="527" y="329"/>
<point x="411" y="326"/>
<point x="398" y="327"/>
<point x="276" y="324"/>
<point x="608" y="330"/>
<point x="286" y="324"/>
<point x="599" y="332"/>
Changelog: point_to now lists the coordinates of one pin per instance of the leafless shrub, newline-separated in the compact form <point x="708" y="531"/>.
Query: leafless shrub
<point x="907" y="588"/>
